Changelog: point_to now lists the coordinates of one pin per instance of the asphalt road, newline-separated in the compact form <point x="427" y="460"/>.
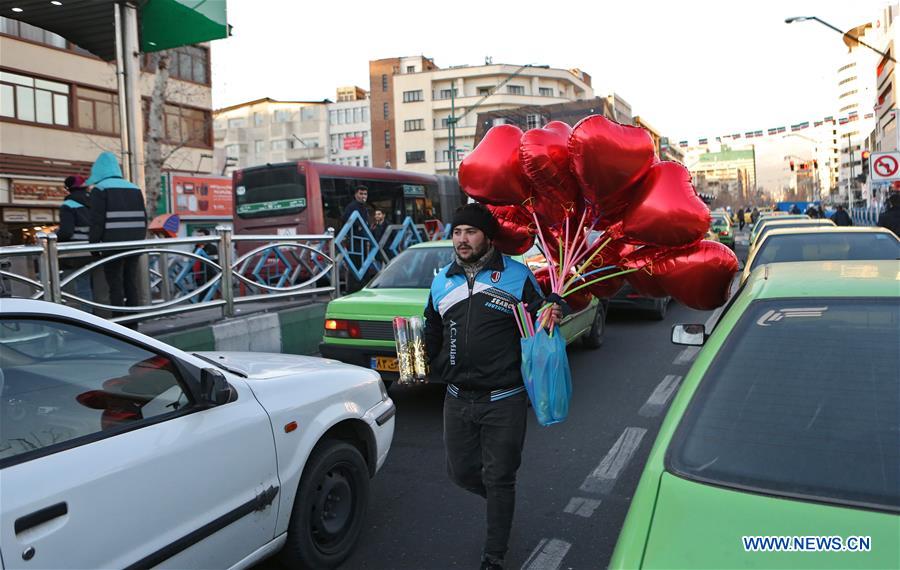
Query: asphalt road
<point x="419" y="520"/>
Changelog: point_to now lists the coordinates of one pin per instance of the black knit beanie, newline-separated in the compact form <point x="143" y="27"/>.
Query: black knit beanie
<point x="477" y="216"/>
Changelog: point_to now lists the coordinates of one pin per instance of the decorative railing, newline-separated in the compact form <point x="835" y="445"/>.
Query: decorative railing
<point x="176" y="275"/>
<point x="865" y="216"/>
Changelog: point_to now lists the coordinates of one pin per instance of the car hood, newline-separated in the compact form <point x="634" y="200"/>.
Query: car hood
<point x="262" y="365"/>
<point x="384" y="303"/>
<point x="701" y="526"/>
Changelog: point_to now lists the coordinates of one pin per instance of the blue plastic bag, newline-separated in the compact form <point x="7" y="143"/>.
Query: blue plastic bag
<point x="548" y="380"/>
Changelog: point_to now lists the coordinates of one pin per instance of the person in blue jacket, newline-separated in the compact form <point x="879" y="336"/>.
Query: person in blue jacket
<point x="474" y="347"/>
<point x="117" y="214"/>
<point x="74" y="225"/>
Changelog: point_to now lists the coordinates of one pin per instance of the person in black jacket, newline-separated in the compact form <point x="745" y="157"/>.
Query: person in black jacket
<point x="74" y="225"/>
<point x="473" y="346"/>
<point x="117" y="214"/>
<point x="380" y="225"/>
<point x="890" y="218"/>
<point x="840" y="217"/>
<point x="358" y="204"/>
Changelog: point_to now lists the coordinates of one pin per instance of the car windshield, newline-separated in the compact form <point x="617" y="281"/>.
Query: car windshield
<point x="413" y="269"/>
<point x="807" y="224"/>
<point x="719" y="220"/>
<point x="827" y="247"/>
<point x="820" y="420"/>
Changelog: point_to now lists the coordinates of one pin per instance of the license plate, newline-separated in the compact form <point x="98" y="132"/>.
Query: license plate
<point x="384" y="364"/>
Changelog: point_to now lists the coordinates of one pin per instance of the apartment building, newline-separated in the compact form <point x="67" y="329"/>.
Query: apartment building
<point x="350" y="128"/>
<point x="59" y="110"/>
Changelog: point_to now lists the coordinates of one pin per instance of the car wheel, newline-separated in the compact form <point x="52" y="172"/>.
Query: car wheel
<point x="594" y="338"/>
<point x="660" y="308"/>
<point x="329" y="508"/>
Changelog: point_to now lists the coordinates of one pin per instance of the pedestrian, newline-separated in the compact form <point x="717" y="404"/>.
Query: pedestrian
<point x="358" y="204"/>
<point x="740" y="219"/>
<point x="890" y="218"/>
<point x="357" y="251"/>
<point x="75" y="226"/>
<point x="795" y="209"/>
<point x="203" y="272"/>
<point x="474" y="347"/>
<point x="117" y="214"/>
<point x="811" y="211"/>
<point x="754" y="215"/>
<point x="841" y="217"/>
<point x="380" y="225"/>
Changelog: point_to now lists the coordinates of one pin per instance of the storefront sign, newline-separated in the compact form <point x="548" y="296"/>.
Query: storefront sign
<point x="15" y="215"/>
<point x="202" y="196"/>
<point x="353" y="143"/>
<point x="42" y="215"/>
<point x="38" y="191"/>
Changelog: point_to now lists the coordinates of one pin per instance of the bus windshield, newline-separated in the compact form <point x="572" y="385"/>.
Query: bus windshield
<point x="278" y="189"/>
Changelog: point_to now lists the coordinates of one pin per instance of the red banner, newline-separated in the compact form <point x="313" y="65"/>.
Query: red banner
<point x="353" y="143"/>
<point x="202" y="196"/>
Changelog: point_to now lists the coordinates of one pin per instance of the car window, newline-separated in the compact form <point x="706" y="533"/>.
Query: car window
<point x="60" y="382"/>
<point x="765" y="231"/>
<point x="827" y="247"/>
<point x="415" y="268"/>
<point x="802" y="399"/>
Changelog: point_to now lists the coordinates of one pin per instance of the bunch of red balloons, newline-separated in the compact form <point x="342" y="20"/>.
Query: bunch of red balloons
<point x="604" y="210"/>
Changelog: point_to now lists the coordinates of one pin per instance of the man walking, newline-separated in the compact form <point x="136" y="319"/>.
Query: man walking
<point x="740" y="219"/>
<point x="840" y="217"/>
<point x="473" y="346"/>
<point x="117" y="214"/>
<point x="890" y="218"/>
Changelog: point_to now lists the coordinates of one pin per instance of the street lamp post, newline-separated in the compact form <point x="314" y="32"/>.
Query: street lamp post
<point x="838" y="30"/>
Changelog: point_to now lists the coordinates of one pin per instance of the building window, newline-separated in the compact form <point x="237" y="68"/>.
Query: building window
<point x="848" y="66"/>
<point x="415" y="156"/>
<point x="309" y="113"/>
<point x="259" y="147"/>
<point x="545" y="91"/>
<point x="258" y="119"/>
<point x="281" y="144"/>
<point x="281" y="116"/>
<point x="499" y="121"/>
<point x="356" y="114"/>
<point x="189" y="63"/>
<point x="366" y="161"/>
<point x="533" y="121"/>
<point x="386" y="111"/>
<point x="34" y="100"/>
<point x="387" y="139"/>
<point x="185" y="126"/>
<point x="348" y="116"/>
<point x="98" y="111"/>
<point x="848" y="80"/>
<point x="31" y="33"/>
<point x="848" y="93"/>
<point x="414" y="125"/>
<point x="412" y="96"/>
<point x="384" y="82"/>
<point x="238" y="123"/>
<point x="410" y="69"/>
<point x="515" y="89"/>
<point x="485" y="90"/>
<point x="233" y="150"/>
<point x="332" y="117"/>
<point x="365" y="114"/>
<point x="448" y="93"/>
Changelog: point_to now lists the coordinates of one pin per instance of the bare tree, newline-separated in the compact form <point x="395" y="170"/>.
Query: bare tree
<point x="154" y="159"/>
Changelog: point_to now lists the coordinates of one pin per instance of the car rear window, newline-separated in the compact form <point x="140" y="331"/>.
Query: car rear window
<point x="415" y="268"/>
<point x="827" y="247"/>
<point x="802" y="400"/>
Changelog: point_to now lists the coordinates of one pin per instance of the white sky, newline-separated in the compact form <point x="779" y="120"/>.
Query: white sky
<point x="692" y="68"/>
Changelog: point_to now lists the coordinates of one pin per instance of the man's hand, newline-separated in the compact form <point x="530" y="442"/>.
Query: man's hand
<point x="556" y="314"/>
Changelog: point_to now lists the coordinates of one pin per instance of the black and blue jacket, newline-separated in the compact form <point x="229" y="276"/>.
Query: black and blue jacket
<point x="470" y="330"/>
<point x="117" y="205"/>
<point x="74" y="225"/>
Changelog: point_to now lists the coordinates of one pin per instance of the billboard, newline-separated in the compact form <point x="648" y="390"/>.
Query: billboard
<point x="201" y="196"/>
<point x="353" y="143"/>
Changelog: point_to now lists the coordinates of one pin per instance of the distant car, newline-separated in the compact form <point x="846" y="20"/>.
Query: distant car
<point x="821" y="243"/>
<point x="786" y="425"/>
<point x="120" y="451"/>
<point x="359" y="329"/>
<point x="721" y="226"/>
<point x="785" y="222"/>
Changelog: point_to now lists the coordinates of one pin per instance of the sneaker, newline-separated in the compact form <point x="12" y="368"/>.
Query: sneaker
<point x="491" y="563"/>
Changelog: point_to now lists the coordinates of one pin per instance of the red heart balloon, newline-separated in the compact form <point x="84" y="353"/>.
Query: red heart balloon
<point x="544" y="156"/>
<point x="698" y="276"/>
<point x="646" y="284"/>
<point x="514" y="235"/>
<point x="607" y="288"/>
<point x="607" y="158"/>
<point x="665" y="209"/>
<point x="492" y="173"/>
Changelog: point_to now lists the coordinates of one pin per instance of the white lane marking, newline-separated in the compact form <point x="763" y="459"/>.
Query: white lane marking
<point x="581" y="506"/>
<point x="712" y="319"/>
<point x="603" y="478"/>
<point x="548" y="555"/>
<point x="660" y="397"/>
<point x="687" y="355"/>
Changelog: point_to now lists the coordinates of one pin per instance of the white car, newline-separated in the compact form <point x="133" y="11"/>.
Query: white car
<point x="120" y="451"/>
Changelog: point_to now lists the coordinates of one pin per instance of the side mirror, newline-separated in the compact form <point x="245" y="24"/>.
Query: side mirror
<point x="691" y="335"/>
<point x="214" y="388"/>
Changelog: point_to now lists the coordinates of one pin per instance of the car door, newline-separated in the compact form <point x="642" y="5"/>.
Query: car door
<point x="107" y="460"/>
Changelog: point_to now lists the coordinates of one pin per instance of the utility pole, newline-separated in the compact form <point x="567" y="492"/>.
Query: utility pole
<point x="850" y="181"/>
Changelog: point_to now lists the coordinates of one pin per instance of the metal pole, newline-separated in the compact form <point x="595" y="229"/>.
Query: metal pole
<point x="122" y="95"/>
<point x="335" y="268"/>
<point x="49" y="267"/>
<point x="452" y="124"/>
<point x="225" y="260"/>
<point x="131" y="53"/>
<point x="850" y="181"/>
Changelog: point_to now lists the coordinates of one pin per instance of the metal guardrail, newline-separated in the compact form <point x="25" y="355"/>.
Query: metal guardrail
<point x="290" y="266"/>
<point x="865" y="216"/>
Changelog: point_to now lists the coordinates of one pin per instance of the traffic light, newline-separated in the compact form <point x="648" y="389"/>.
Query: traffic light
<point x="792" y="166"/>
<point x="865" y="166"/>
<point x="816" y="164"/>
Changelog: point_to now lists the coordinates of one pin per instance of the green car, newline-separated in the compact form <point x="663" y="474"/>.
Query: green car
<point x="721" y="226"/>
<point x="359" y="329"/>
<point x="785" y="433"/>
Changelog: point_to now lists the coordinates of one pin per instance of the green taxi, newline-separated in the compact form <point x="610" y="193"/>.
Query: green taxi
<point x="786" y="219"/>
<point x="359" y="327"/>
<point x="781" y="448"/>
<point x="721" y="226"/>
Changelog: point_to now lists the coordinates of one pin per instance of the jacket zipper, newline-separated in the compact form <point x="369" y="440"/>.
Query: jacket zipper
<point x="471" y="284"/>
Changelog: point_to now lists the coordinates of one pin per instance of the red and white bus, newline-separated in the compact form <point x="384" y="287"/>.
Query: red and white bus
<point x="305" y="197"/>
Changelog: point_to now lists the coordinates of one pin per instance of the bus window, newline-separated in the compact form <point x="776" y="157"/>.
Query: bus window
<point x="384" y="195"/>
<point x="274" y="190"/>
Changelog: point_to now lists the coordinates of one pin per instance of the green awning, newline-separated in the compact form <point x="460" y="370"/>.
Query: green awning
<point x="90" y="24"/>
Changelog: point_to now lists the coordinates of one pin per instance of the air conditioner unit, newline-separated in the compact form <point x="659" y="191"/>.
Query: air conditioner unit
<point x="334" y="150"/>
